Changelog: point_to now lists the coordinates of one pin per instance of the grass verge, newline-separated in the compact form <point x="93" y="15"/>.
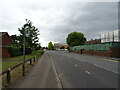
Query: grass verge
<point x="17" y="72"/>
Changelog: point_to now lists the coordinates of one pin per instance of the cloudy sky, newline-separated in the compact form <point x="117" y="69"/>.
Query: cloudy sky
<point x="56" y="18"/>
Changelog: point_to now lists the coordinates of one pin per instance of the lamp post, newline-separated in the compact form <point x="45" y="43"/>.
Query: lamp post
<point x="24" y="45"/>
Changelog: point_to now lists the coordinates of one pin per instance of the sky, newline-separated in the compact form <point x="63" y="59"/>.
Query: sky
<point x="55" y="19"/>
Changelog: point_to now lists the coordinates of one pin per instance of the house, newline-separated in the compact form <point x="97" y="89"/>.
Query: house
<point x="58" y="46"/>
<point x="5" y="40"/>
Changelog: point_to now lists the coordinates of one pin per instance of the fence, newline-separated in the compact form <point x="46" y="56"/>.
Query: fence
<point x="96" y="47"/>
<point x="7" y="72"/>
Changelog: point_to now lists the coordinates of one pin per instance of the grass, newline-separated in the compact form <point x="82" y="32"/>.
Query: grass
<point x="6" y="65"/>
<point x="33" y="54"/>
<point x="17" y="72"/>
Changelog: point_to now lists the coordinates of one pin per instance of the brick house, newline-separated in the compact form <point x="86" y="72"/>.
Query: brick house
<point x="5" y="40"/>
<point x="57" y="46"/>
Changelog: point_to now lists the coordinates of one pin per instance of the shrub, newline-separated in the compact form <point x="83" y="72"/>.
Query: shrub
<point x="27" y="50"/>
<point x="14" y="50"/>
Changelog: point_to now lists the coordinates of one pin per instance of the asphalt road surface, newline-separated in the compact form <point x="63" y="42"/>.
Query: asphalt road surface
<point x="83" y="71"/>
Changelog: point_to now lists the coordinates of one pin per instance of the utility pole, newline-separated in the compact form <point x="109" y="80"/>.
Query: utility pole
<point x="24" y="45"/>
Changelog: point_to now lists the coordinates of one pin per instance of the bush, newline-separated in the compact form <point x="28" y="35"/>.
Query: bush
<point x="14" y="50"/>
<point x="27" y="50"/>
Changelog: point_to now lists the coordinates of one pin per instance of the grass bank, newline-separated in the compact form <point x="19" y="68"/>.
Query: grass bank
<point x="16" y="73"/>
<point x="7" y="64"/>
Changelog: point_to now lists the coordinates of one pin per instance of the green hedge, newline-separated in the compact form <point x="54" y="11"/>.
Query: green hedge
<point x="17" y="51"/>
<point x="27" y="50"/>
<point x="14" y="50"/>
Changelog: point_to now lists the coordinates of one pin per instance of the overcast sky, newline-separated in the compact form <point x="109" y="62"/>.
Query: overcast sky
<point x="56" y="18"/>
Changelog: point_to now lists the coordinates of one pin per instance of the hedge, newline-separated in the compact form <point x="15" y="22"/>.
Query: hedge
<point x="14" y="50"/>
<point x="17" y="51"/>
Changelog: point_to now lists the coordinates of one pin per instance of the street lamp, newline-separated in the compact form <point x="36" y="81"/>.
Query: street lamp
<point x="24" y="45"/>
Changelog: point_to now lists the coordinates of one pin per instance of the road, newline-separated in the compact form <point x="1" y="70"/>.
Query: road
<point x="83" y="71"/>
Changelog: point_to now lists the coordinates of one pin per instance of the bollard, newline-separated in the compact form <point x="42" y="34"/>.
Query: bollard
<point x="8" y="76"/>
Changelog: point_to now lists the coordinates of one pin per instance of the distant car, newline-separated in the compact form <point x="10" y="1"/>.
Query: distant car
<point x="66" y="49"/>
<point x="62" y="49"/>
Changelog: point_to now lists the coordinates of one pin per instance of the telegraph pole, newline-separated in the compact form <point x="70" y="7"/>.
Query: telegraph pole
<point x="24" y="44"/>
<point x="26" y="28"/>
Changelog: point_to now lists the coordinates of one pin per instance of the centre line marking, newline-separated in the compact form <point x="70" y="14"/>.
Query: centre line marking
<point x="75" y="65"/>
<point x="95" y="64"/>
<point x="107" y="69"/>
<point x="87" y="72"/>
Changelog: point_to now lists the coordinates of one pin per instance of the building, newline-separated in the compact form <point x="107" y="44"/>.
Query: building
<point x="5" y="40"/>
<point x="58" y="46"/>
<point x="111" y="36"/>
<point x="96" y="41"/>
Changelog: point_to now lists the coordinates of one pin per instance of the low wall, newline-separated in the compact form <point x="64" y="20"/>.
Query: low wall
<point x="99" y="53"/>
<point x="113" y="52"/>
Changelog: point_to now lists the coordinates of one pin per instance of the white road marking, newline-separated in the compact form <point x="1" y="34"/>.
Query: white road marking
<point x="111" y="60"/>
<point x="75" y="65"/>
<point x="95" y="64"/>
<point x="56" y="74"/>
<point x="87" y="72"/>
<point x="106" y="69"/>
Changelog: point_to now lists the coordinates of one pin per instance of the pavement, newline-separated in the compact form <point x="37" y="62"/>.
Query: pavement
<point x="42" y="75"/>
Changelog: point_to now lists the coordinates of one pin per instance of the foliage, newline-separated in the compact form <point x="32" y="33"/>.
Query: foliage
<point x="6" y="65"/>
<point x="32" y="32"/>
<point x="31" y="40"/>
<point x="27" y="50"/>
<point x="50" y="46"/>
<point x="38" y="47"/>
<point x="75" y="38"/>
<point x="15" y="39"/>
<point x="14" y="50"/>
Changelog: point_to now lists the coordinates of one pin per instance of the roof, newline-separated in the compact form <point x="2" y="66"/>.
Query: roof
<point x="2" y="33"/>
<point x="5" y="33"/>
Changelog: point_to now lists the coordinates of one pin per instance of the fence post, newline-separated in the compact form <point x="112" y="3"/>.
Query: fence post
<point x="8" y="76"/>
<point x="34" y="59"/>
<point x="30" y="61"/>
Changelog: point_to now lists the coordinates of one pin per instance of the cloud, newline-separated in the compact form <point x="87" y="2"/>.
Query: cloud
<point x="54" y="18"/>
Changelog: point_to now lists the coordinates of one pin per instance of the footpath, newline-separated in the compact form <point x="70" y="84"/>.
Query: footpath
<point x="42" y="75"/>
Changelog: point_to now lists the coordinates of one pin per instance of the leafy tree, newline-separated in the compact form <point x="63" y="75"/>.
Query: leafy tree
<point x="75" y="38"/>
<point x="50" y="46"/>
<point x="32" y="33"/>
<point x="14" y="39"/>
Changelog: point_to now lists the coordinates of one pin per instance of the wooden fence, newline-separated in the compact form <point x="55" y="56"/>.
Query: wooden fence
<point x="8" y="71"/>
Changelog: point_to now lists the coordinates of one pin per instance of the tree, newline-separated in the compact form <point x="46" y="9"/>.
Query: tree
<point x="50" y="46"/>
<point x="32" y="32"/>
<point x="14" y="39"/>
<point x="75" y="39"/>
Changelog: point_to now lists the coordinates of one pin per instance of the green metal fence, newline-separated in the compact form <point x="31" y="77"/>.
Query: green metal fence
<point x="96" y="47"/>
